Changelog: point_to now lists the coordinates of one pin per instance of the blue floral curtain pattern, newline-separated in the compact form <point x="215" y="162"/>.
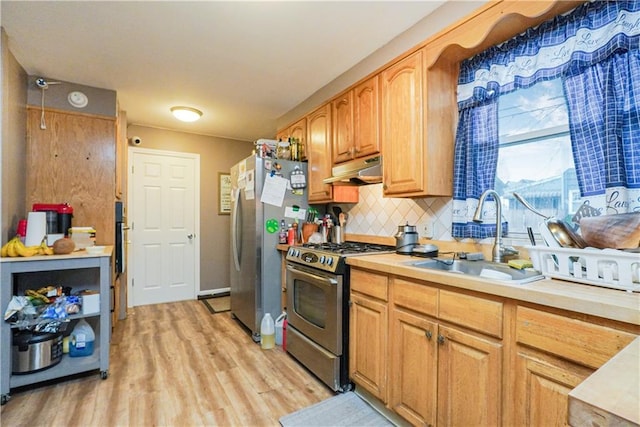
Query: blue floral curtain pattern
<point x="476" y="160"/>
<point x="565" y="46"/>
<point x="588" y="35"/>
<point x="604" y="123"/>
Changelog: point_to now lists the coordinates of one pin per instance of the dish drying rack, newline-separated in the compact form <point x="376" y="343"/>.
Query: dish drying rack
<point x="608" y="268"/>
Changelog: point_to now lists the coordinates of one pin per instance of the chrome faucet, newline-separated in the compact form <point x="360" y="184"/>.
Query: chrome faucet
<point x="499" y="251"/>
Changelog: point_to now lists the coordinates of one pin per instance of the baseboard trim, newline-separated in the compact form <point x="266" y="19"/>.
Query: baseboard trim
<point x="220" y="292"/>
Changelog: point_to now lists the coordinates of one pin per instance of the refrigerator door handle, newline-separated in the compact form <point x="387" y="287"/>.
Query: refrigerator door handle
<point x="234" y="227"/>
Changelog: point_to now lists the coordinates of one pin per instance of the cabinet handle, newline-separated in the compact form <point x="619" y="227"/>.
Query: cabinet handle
<point x="429" y="335"/>
<point x="440" y="339"/>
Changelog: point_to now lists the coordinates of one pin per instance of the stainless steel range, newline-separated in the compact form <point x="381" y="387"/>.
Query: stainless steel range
<point x="317" y="307"/>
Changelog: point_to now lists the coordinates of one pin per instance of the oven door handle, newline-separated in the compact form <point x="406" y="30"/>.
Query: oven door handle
<point x="319" y="279"/>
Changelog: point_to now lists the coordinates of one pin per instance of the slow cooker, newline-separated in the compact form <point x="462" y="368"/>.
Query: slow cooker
<point x="33" y="351"/>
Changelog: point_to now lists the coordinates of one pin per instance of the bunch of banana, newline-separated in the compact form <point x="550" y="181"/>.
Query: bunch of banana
<point x="15" y="248"/>
<point x="35" y="295"/>
<point x="43" y="249"/>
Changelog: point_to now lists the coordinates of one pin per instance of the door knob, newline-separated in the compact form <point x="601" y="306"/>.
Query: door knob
<point x="190" y="236"/>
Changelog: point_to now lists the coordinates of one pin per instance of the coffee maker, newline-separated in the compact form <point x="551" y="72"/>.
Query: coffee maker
<point x="58" y="217"/>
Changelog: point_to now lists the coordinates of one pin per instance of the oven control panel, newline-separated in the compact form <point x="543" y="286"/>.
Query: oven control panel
<point x="323" y="261"/>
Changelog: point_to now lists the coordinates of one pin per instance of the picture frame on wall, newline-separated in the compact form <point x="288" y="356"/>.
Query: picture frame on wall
<point x="224" y="193"/>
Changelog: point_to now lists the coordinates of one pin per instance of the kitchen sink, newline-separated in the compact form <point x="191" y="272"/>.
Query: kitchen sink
<point x="485" y="269"/>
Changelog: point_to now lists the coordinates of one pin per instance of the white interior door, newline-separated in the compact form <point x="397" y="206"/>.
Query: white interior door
<point x="164" y="207"/>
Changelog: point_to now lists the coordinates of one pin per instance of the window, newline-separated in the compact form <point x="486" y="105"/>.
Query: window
<point x="535" y="158"/>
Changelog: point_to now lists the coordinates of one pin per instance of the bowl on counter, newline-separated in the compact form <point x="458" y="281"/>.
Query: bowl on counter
<point x="94" y="250"/>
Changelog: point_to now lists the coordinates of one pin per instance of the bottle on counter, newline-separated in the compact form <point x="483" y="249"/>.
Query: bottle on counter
<point x="296" y="237"/>
<point x="291" y="237"/>
<point x="282" y="236"/>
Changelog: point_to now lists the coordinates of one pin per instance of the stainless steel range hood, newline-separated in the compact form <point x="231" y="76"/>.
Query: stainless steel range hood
<point x="360" y="172"/>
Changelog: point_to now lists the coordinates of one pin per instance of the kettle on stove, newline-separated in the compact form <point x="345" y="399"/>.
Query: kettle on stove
<point x="406" y="239"/>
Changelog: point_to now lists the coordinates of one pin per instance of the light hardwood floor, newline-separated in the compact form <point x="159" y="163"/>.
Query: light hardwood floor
<point x="175" y="365"/>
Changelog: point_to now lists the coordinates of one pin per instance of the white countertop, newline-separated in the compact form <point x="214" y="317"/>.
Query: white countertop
<point x="593" y="300"/>
<point x="108" y="250"/>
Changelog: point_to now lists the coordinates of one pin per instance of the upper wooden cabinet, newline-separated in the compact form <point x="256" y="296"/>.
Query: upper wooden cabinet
<point x="402" y="126"/>
<point x="297" y="131"/>
<point x="343" y="142"/>
<point x="282" y="135"/>
<point x="356" y="122"/>
<point x="416" y="163"/>
<point x="319" y="154"/>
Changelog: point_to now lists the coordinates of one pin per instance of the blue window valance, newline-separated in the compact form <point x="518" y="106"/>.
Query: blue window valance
<point x="594" y="48"/>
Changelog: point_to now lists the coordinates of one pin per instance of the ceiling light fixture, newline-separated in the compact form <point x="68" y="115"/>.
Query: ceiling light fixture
<point x="186" y="114"/>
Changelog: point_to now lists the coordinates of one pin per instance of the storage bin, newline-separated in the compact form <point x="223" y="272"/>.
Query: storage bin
<point x="90" y="302"/>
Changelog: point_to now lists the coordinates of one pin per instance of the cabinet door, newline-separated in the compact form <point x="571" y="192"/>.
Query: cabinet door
<point x="469" y="379"/>
<point x="402" y="126"/>
<point x="542" y="388"/>
<point x="319" y="154"/>
<point x="282" y="135"/>
<point x="342" y="124"/>
<point x="414" y="368"/>
<point x="368" y="345"/>
<point x="298" y="131"/>
<point x="366" y="123"/>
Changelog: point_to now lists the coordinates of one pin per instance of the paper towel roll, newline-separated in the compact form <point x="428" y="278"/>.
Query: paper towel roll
<point x="36" y="228"/>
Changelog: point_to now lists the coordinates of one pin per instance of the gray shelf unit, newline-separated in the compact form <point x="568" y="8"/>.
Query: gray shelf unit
<point x="77" y="271"/>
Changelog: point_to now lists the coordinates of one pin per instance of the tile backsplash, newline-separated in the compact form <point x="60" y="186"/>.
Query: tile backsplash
<point x="378" y="216"/>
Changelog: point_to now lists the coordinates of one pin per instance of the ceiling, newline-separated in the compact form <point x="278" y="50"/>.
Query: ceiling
<point x="244" y="64"/>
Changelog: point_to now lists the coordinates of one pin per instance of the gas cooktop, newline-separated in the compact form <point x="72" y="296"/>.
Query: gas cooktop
<point x="349" y="248"/>
<point x="330" y="256"/>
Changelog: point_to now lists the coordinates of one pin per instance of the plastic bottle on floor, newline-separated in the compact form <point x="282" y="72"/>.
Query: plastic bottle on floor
<point x="279" y="325"/>
<point x="82" y="340"/>
<point x="267" y="332"/>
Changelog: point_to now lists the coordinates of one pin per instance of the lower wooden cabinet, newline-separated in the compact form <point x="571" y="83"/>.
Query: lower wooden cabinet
<point x="469" y="379"/>
<point x="368" y="344"/>
<point x="443" y="375"/>
<point x="414" y="367"/>
<point x="368" y="339"/>
<point x="543" y="383"/>
<point x="437" y="356"/>
<point x="555" y="353"/>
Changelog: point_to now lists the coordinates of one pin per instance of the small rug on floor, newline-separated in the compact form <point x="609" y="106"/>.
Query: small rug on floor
<point x="217" y="304"/>
<point x="346" y="409"/>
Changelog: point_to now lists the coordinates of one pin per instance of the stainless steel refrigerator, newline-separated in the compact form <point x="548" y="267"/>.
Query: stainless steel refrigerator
<point x="255" y="280"/>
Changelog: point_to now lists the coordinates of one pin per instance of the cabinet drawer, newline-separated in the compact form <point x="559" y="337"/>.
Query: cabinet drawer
<point x="586" y="343"/>
<point x="472" y="312"/>
<point x="415" y="296"/>
<point x="372" y="284"/>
